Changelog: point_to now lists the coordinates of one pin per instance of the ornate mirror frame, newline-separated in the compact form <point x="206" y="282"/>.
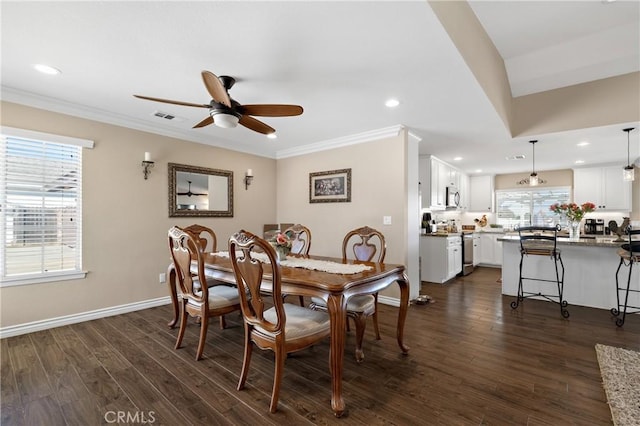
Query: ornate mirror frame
<point x="222" y="180"/>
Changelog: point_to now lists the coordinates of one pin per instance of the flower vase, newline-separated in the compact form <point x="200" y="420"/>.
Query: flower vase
<point x="574" y="230"/>
<point x="281" y="253"/>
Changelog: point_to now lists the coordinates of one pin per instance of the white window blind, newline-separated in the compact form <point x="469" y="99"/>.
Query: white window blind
<point x="529" y="206"/>
<point x="41" y="207"/>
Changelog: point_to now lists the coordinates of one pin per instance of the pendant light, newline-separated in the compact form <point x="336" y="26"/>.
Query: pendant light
<point x="533" y="177"/>
<point x="627" y="172"/>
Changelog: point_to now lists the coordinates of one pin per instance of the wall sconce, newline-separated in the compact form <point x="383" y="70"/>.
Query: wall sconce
<point x="248" y="177"/>
<point x="147" y="165"/>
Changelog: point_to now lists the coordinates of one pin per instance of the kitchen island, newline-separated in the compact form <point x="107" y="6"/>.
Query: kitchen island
<point x="590" y="271"/>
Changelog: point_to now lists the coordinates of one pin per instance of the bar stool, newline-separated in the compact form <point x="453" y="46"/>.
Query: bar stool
<point x="629" y="254"/>
<point x="541" y="241"/>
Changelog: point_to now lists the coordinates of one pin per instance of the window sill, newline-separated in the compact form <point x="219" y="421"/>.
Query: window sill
<point x="10" y="282"/>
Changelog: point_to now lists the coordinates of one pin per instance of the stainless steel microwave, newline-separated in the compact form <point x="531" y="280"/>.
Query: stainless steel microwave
<point x="452" y="197"/>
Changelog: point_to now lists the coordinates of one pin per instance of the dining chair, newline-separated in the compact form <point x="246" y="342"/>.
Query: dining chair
<point x="208" y="243"/>
<point x="300" y="237"/>
<point x="282" y="328"/>
<point x="365" y="244"/>
<point x="199" y="301"/>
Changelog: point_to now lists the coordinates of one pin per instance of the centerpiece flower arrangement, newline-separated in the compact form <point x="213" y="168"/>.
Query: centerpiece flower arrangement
<point x="282" y="243"/>
<point x="572" y="211"/>
<point x="574" y="214"/>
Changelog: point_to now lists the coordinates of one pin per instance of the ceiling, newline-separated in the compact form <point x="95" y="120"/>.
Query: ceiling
<point x="339" y="60"/>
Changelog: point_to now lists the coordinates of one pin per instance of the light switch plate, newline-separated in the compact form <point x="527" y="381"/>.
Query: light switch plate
<point x="386" y="220"/>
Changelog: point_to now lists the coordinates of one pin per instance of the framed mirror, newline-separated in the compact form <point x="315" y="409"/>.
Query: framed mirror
<point x="200" y="191"/>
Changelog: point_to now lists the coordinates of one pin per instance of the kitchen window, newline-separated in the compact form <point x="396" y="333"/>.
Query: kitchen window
<point x="41" y="207"/>
<point x="530" y="206"/>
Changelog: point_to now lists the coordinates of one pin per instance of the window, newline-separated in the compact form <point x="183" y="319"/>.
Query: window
<point x="529" y="206"/>
<point x="41" y="207"/>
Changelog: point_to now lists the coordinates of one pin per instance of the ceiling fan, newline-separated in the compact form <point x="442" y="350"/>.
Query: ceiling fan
<point x="227" y="113"/>
<point x="189" y="193"/>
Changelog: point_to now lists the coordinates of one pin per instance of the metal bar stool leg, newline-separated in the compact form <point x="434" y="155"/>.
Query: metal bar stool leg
<point x="520" y="296"/>
<point x="563" y="303"/>
<point x="622" y="308"/>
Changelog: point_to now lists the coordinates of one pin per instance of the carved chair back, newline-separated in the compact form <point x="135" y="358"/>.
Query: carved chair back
<point x="300" y="239"/>
<point x="367" y="244"/>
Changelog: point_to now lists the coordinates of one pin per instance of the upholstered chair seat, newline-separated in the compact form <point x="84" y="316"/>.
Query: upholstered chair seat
<point x="364" y="303"/>
<point x="221" y="296"/>
<point x="301" y="321"/>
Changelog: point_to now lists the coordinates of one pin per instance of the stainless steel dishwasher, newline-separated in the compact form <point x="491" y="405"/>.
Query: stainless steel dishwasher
<point x="467" y="253"/>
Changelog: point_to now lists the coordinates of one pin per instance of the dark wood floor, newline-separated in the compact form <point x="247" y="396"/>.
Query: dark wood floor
<point x="473" y="361"/>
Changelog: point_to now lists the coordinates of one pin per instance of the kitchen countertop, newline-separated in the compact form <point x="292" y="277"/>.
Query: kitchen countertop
<point x="442" y="234"/>
<point x="605" y="241"/>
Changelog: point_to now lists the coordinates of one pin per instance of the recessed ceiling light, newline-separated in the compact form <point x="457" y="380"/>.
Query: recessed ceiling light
<point x="272" y="136"/>
<point x="392" y="103"/>
<point x="579" y="161"/>
<point x="46" y="69"/>
<point x="457" y="158"/>
<point x="583" y="143"/>
<point x="478" y="170"/>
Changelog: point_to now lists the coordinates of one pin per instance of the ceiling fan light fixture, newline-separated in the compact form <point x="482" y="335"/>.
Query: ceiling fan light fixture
<point x="226" y="121"/>
<point x="628" y="172"/>
<point x="272" y="136"/>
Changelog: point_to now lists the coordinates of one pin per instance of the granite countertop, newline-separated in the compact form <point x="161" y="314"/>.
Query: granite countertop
<point x="605" y="241"/>
<point x="442" y="234"/>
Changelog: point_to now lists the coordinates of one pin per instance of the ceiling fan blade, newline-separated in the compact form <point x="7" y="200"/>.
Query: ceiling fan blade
<point x="215" y="88"/>
<point x="167" y="101"/>
<point x="208" y="120"/>
<point x="256" y="125"/>
<point x="271" y="110"/>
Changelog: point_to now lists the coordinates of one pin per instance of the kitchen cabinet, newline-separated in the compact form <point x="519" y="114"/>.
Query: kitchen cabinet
<point x="435" y="175"/>
<point x="602" y="186"/>
<point x="481" y="194"/>
<point x="465" y="190"/>
<point x="490" y="249"/>
<point x="440" y="257"/>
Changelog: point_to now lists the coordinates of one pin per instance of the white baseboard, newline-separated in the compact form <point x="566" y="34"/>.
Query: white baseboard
<point x="392" y="301"/>
<point x="30" y="327"/>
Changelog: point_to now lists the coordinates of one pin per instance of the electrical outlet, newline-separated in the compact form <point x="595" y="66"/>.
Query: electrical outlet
<point x="386" y="220"/>
<point x="163" y="278"/>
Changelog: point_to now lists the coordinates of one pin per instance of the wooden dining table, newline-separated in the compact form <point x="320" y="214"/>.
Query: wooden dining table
<point x="334" y="288"/>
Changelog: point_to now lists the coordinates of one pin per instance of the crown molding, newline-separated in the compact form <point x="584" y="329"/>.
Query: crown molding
<point x="69" y="108"/>
<point x="387" y="132"/>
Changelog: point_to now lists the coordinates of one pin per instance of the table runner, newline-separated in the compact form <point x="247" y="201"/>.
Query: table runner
<point x="313" y="264"/>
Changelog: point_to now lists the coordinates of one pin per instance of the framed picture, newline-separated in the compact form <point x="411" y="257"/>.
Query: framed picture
<point x="333" y="186"/>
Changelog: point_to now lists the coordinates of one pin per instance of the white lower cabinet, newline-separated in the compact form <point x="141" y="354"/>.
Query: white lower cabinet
<point x="441" y="258"/>
<point x="490" y="250"/>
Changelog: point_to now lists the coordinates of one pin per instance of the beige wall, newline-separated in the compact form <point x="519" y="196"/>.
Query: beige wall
<point x="552" y="178"/>
<point x="479" y="52"/>
<point x="125" y="218"/>
<point x="597" y="103"/>
<point x="378" y="180"/>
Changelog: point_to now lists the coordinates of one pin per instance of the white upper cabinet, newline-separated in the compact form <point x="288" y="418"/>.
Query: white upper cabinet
<point x="435" y="176"/>
<point x="481" y="194"/>
<point x="602" y="186"/>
